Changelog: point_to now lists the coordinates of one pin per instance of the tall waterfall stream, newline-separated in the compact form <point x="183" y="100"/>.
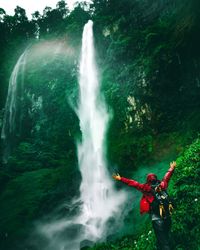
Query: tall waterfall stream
<point x="100" y="205"/>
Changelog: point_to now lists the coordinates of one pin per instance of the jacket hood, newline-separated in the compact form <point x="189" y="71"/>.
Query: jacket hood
<point x="151" y="177"/>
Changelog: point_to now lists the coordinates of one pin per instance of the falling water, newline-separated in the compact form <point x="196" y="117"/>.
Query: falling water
<point x="99" y="204"/>
<point x="14" y="97"/>
<point x="97" y="193"/>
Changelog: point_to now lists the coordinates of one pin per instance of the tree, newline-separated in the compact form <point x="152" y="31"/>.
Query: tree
<point x="62" y="8"/>
<point x="20" y="15"/>
<point x="2" y="14"/>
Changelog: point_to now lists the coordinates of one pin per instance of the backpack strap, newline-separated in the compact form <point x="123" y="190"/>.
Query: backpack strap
<point x="161" y="196"/>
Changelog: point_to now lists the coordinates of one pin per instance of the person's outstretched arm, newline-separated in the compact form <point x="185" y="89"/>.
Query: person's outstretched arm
<point x="168" y="175"/>
<point x="132" y="183"/>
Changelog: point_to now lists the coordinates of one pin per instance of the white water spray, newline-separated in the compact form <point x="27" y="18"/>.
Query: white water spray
<point x="12" y="102"/>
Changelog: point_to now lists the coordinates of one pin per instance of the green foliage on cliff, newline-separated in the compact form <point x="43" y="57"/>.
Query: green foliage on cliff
<point x="186" y="191"/>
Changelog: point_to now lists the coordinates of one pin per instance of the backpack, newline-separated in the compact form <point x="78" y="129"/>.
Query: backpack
<point x="162" y="204"/>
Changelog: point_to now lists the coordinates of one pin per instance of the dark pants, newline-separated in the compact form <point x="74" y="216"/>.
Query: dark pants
<point x="162" y="230"/>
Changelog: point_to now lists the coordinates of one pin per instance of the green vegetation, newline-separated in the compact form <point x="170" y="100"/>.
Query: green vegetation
<point x="148" y="56"/>
<point x="184" y="188"/>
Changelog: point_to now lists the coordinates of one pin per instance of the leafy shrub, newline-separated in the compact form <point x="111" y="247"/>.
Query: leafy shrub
<point x="186" y="191"/>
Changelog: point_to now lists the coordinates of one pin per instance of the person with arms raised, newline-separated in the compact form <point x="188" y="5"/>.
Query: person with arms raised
<point x="156" y="202"/>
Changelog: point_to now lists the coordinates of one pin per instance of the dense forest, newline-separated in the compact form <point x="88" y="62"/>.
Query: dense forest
<point x="148" y="59"/>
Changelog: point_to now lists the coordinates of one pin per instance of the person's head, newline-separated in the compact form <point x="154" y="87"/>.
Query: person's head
<point x="151" y="178"/>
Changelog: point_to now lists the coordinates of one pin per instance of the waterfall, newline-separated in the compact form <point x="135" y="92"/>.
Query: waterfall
<point x="98" y="210"/>
<point x="98" y="197"/>
<point x="12" y="116"/>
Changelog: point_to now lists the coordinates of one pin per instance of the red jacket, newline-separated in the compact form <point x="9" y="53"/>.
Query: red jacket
<point x="148" y="197"/>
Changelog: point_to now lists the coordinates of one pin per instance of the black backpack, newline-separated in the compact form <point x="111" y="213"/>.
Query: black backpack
<point x="162" y="204"/>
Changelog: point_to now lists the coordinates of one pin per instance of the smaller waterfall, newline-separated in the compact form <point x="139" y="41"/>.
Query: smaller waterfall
<point x="12" y="115"/>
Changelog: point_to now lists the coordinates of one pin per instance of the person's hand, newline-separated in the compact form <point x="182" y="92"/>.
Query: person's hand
<point x="117" y="177"/>
<point x="173" y="164"/>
